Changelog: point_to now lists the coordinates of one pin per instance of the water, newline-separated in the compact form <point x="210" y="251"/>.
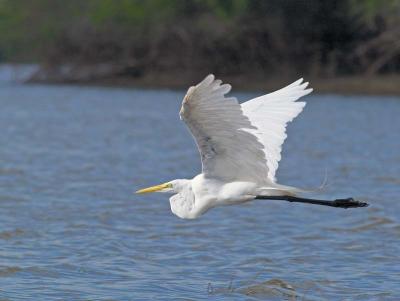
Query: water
<point x="72" y="229"/>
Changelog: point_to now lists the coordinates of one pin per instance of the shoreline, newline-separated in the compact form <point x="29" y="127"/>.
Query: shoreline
<point x="347" y="85"/>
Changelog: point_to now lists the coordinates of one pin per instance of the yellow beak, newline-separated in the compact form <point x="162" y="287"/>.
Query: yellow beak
<point x="155" y="188"/>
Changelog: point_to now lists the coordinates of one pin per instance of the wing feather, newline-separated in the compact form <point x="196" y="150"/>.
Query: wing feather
<point x="270" y="114"/>
<point x="227" y="148"/>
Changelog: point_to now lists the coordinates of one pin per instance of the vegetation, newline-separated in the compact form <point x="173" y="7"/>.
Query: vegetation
<point x="133" y="38"/>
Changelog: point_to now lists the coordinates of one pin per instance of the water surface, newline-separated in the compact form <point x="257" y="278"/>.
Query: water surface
<point x="72" y="229"/>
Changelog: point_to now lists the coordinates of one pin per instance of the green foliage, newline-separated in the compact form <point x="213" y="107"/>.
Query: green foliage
<point x="224" y="35"/>
<point x="369" y="9"/>
<point x="128" y="12"/>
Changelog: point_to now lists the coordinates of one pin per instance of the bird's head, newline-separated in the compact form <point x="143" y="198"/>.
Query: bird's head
<point x="182" y="202"/>
<point x="174" y="186"/>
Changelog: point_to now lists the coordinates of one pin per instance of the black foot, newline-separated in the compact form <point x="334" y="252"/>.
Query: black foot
<point x="338" y="203"/>
<point x="348" y="203"/>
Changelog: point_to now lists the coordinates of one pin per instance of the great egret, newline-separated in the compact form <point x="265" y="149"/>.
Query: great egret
<point x="240" y="147"/>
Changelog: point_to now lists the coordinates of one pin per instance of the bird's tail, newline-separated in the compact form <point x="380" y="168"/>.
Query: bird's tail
<point x="280" y="190"/>
<point x="276" y="189"/>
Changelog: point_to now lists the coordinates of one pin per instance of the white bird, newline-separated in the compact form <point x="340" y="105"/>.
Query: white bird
<point x="240" y="147"/>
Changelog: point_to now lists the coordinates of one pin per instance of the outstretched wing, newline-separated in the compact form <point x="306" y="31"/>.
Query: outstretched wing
<point x="270" y="114"/>
<point x="227" y="148"/>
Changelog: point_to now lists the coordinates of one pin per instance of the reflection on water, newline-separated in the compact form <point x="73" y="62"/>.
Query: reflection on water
<point x="71" y="227"/>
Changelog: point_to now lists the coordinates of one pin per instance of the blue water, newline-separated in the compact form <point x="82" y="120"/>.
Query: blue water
<point x="72" y="229"/>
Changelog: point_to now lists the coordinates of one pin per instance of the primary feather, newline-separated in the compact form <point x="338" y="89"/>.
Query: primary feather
<point x="228" y="150"/>
<point x="270" y="114"/>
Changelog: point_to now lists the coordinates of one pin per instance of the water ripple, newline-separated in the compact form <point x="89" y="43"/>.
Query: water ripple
<point x="72" y="229"/>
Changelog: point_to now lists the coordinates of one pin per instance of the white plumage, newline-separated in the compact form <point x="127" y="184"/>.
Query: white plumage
<point x="239" y="144"/>
<point x="218" y="125"/>
<point x="270" y="114"/>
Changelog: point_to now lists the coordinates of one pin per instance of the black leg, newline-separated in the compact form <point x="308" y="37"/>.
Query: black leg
<point x="340" y="203"/>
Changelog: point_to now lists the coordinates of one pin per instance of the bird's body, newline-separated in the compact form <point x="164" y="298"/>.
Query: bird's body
<point x="239" y="145"/>
<point x="207" y="193"/>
